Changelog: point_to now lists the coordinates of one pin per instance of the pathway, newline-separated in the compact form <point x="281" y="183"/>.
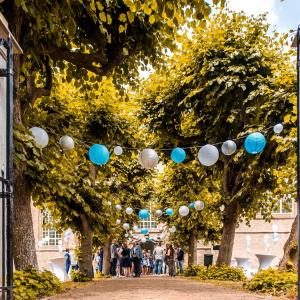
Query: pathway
<point x="155" y="288"/>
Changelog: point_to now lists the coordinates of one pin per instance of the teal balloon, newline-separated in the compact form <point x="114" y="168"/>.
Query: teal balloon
<point x="144" y="231"/>
<point x="144" y="214"/>
<point x="192" y="205"/>
<point x="255" y="143"/>
<point x="169" y="211"/>
<point x="178" y="155"/>
<point x="99" y="154"/>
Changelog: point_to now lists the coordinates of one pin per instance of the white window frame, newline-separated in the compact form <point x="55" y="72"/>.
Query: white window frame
<point x="55" y="237"/>
<point x="281" y="207"/>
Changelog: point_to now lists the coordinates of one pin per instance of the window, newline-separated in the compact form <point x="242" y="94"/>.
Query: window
<point x="148" y="223"/>
<point x="284" y="206"/>
<point x="51" y="237"/>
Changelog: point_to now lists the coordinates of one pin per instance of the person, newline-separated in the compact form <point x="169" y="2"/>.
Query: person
<point x="180" y="258"/>
<point x="170" y="259"/>
<point x="158" y="257"/>
<point x="151" y="263"/>
<point x="137" y="258"/>
<point x="119" y="269"/>
<point x="68" y="260"/>
<point x="126" y="263"/>
<point x="145" y="262"/>
<point x="100" y="264"/>
<point x="113" y="258"/>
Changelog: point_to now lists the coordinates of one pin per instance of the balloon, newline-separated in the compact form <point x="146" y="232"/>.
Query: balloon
<point x="135" y="228"/>
<point x="118" y="221"/>
<point x="255" y="143"/>
<point x="66" y="143"/>
<point x="143" y="240"/>
<point x="129" y="210"/>
<point x="228" y="147"/>
<point x="169" y="211"/>
<point x="144" y="231"/>
<point x="222" y="207"/>
<point x="99" y="154"/>
<point x="172" y="229"/>
<point x="158" y="213"/>
<point x="118" y="150"/>
<point x="144" y="214"/>
<point x="184" y="211"/>
<point x="192" y="205"/>
<point x="126" y="235"/>
<point x="178" y="155"/>
<point x="118" y="207"/>
<point x="208" y="155"/>
<point x="40" y="136"/>
<point x="199" y="205"/>
<point x="148" y="158"/>
<point x="126" y="226"/>
<point x="278" y="128"/>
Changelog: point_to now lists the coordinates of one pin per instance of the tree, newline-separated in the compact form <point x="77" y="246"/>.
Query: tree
<point x="224" y="84"/>
<point x="104" y="37"/>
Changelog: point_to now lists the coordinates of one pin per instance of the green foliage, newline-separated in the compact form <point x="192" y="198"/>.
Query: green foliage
<point x="216" y="272"/>
<point x="273" y="281"/>
<point x="32" y="284"/>
<point x="78" y="276"/>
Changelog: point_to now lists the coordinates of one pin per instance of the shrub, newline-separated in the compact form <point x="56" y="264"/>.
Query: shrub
<point x="32" y="284"/>
<point x="273" y="281"/>
<point x="216" y="272"/>
<point x="78" y="276"/>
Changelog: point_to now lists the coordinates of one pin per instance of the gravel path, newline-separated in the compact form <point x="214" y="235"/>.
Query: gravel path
<point x="155" y="288"/>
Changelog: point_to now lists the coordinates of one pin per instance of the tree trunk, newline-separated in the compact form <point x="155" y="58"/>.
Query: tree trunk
<point x="192" y="257"/>
<point x="106" y="258"/>
<point x="86" y="248"/>
<point x="228" y="234"/>
<point x="290" y="256"/>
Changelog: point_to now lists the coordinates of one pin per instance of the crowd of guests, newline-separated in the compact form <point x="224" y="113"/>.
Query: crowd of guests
<point x="132" y="260"/>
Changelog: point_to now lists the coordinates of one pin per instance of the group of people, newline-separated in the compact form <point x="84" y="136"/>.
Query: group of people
<point x="131" y="260"/>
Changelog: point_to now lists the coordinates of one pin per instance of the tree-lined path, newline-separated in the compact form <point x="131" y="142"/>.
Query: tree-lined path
<point x="153" y="288"/>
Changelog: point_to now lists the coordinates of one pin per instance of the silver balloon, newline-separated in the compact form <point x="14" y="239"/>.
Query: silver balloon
<point x="158" y="213"/>
<point x="184" y="211"/>
<point x="199" y="205"/>
<point x="172" y="229"/>
<point x="129" y="210"/>
<point x="66" y="143"/>
<point x="148" y="158"/>
<point x="278" y="128"/>
<point x="118" y="207"/>
<point x="126" y="226"/>
<point x="208" y="155"/>
<point x="143" y="240"/>
<point x="228" y="147"/>
<point x="40" y="136"/>
<point x="118" y="150"/>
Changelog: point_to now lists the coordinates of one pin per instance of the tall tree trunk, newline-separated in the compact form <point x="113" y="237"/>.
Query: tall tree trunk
<point x="86" y="248"/>
<point x="106" y="258"/>
<point x="228" y="234"/>
<point x="192" y="257"/>
<point x="290" y="256"/>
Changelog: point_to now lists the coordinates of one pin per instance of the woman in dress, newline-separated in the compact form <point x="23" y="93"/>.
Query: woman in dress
<point x="126" y="261"/>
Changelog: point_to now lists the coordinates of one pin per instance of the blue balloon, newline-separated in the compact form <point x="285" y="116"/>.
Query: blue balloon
<point x="169" y="211"/>
<point x="99" y="154"/>
<point x="178" y="155"/>
<point x="144" y="231"/>
<point x="192" y="205"/>
<point x="144" y="214"/>
<point x="255" y="143"/>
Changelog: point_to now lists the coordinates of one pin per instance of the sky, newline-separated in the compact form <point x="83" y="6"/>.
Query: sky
<point x="282" y="15"/>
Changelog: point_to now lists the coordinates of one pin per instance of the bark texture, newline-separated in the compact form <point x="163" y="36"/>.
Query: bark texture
<point x="192" y="256"/>
<point x="86" y="248"/>
<point x="290" y="256"/>
<point x="106" y="258"/>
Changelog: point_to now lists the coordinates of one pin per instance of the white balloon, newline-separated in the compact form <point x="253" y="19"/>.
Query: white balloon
<point x="199" y="205"/>
<point x="222" y="207"/>
<point x="278" y="128"/>
<point x="118" y="207"/>
<point x="129" y="210"/>
<point x="208" y="155"/>
<point x="126" y="226"/>
<point x="158" y="213"/>
<point x="184" y="210"/>
<point x="118" y="150"/>
<point x="118" y="221"/>
<point x="126" y="235"/>
<point x="228" y="147"/>
<point x="66" y="143"/>
<point x="135" y="228"/>
<point x="40" y="136"/>
<point x="143" y="240"/>
<point x="172" y="229"/>
<point x="148" y="158"/>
